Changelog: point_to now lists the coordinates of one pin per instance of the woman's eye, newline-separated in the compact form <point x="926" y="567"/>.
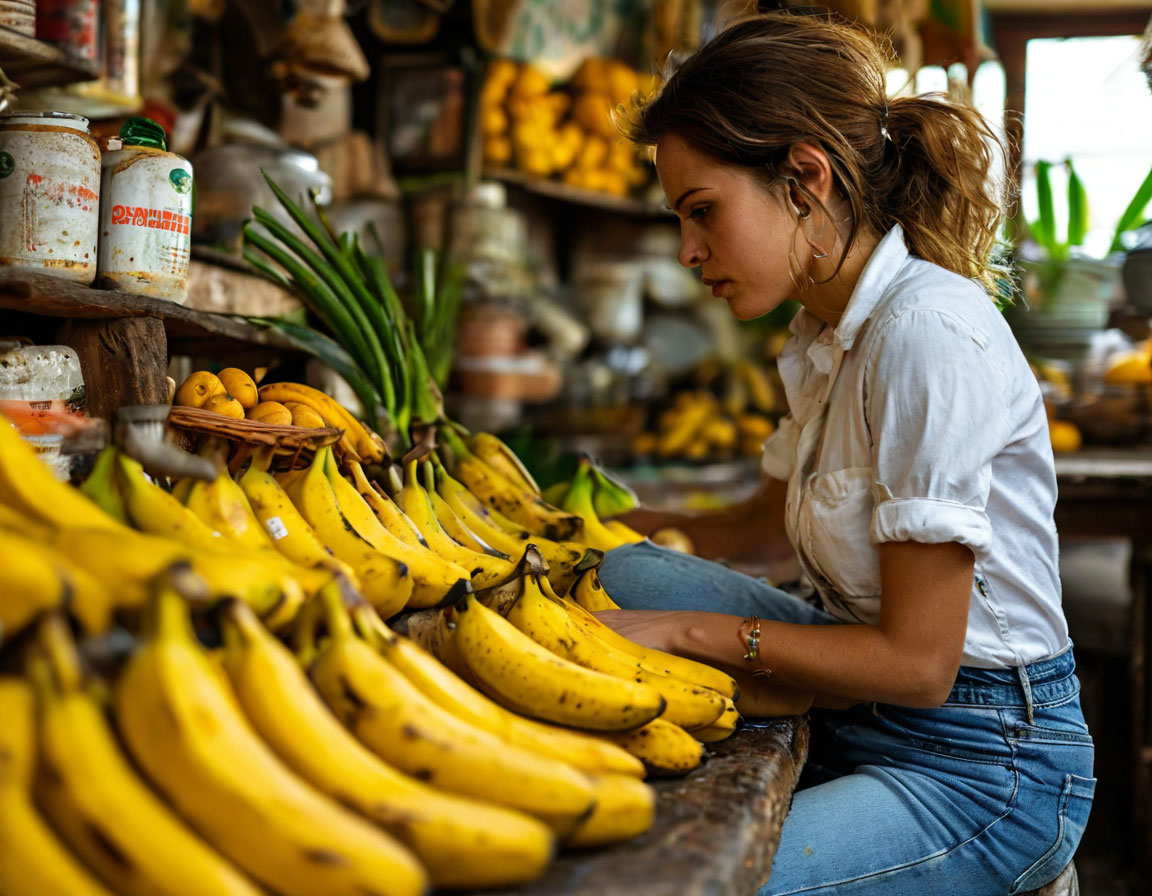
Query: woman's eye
<point x="698" y="212"/>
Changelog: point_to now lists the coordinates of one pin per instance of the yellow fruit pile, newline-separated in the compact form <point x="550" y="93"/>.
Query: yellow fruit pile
<point x="727" y="415"/>
<point x="1132" y="367"/>
<point x="449" y="712"/>
<point x="563" y="131"/>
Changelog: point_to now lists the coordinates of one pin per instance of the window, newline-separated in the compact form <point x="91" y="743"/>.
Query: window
<point x="1086" y="99"/>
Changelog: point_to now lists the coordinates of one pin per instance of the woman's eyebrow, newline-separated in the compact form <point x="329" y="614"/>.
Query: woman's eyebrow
<point x="685" y="195"/>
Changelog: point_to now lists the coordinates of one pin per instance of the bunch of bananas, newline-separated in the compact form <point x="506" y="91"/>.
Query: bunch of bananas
<point x="725" y="414"/>
<point x="563" y="131"/>
<point x="507" y="722"/>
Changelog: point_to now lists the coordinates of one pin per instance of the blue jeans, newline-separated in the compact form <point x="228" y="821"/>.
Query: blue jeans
<point x="987" y="795"/>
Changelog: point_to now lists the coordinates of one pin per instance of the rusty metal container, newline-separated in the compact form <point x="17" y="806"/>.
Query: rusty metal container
<point x="49" y="194"/>
<point x="145" y="214"/>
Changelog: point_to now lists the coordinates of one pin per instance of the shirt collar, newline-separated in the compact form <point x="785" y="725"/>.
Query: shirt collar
<point x="886" y="261"/>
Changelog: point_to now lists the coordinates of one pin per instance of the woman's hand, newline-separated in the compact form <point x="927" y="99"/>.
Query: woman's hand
<point x="661" y="629"/>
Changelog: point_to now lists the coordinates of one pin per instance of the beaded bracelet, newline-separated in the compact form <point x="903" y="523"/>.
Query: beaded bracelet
<point x="750" y="636"/>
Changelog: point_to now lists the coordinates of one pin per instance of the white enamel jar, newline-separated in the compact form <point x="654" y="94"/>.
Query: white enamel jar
<point x="49" y="194"/>
<point x="145" y="221"/>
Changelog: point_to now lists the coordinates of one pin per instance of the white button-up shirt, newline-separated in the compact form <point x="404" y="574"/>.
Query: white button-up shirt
<point x="918" y="419"/>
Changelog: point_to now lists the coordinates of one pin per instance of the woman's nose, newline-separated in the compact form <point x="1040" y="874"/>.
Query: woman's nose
<point x="691" y="253"/>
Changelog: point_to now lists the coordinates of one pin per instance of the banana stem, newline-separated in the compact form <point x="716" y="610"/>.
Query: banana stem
<point x="62" y="661"/>
<point x="262" y="458"/>
<point x="168" y="617"/>
<point x="304" y="640"/>
<point x="238" y="623"/>
<point x="372" y="628"/>
<point x="336" y="617"/>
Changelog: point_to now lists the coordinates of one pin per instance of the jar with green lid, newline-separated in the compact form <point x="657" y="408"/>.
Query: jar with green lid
<point x="49" y="194"/>
<point x="145" y="214"/>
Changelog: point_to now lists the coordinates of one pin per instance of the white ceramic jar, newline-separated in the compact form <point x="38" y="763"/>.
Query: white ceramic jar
<point x="49" y="194"/>
<point x="145" y="214"/>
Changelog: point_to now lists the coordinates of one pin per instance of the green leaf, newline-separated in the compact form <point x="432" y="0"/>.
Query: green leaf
<point x="1044" y="227"/>
<point x="1133" y="215"/>
<point x="329" y="351"/>
<point x="1077" y="207"/>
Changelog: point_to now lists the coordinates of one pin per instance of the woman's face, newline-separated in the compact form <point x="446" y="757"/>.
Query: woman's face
<point x="737" y="232"/>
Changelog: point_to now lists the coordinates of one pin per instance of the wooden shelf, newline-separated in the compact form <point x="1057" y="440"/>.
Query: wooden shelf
<point x="53" y="297"/>
<point x="554" y="189"/>
<point x="34" y="63"/>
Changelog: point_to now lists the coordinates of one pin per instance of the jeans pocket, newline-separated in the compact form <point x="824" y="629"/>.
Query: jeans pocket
<point x="1075" y="805"/>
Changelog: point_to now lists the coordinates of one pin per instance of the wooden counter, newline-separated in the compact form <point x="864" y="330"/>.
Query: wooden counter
<point x="716" y="829"/>
<point x="1108" y="492"/>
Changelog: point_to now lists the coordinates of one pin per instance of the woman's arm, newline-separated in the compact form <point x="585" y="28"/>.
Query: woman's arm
<point x="751" y="530"/>
<point x="910" y="658"/>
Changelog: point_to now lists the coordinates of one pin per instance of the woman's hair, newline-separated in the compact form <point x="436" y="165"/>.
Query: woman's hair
<point x="769" y="81"/>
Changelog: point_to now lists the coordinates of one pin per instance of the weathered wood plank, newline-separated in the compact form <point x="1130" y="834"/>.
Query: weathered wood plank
<point x="716" y="830"/>
<point x="54" y="297"/>
<point x="123" y="361"/>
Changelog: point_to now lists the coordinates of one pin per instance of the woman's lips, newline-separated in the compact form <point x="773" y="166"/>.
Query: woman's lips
<point x="717" y="285"/>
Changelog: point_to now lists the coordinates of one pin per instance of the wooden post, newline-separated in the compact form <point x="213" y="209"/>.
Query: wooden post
<point x="124" y="361"/>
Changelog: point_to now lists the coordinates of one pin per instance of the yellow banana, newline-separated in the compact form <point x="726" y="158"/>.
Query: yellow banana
<point x="761" y="392"/>
<point x="589" y="593"/>
<point x="724" y="727"/>
<point x="411" y="733"/>
<point x="358" y="440"/>
<point x="516" y="502"/>
<point x="187" y="733"/>
<point x="588" y="586"/>
<point x="95" y="799"/>
<point x="433" y="577"/>
<point x="389" y="514"/>
<point x="35" y="862"/>
<point x="290" y="533"/>
<point x="457" y="531"/>
<point x="623" y="531"/>
<point x="444" y="687"/>
<point x="29" y="487"/>
<point x="666" y="750"/>
<point x="625" y="808"/>
<point x="30" y="585"/>
<point x="485" y="569"/>
<point x="492" y="450"/>
<point x="546" y="622"/>
<point x="151" y="509"/>
<point x="314" y="494"/>
<point x="461" y="842"/>
<point x="562" y="557"/>
<point x="521" y="675"/>
<point x="222" y="506"/>
<point x="385" y="579"/>
<point x="674" y="440"/>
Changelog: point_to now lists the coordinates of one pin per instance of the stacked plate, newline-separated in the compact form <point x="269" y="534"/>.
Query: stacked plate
<point x="18" y="15"/>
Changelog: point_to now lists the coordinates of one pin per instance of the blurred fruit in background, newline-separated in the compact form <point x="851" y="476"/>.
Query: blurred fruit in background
<point x="564" y="131"/>
<point x="725" y="412"/>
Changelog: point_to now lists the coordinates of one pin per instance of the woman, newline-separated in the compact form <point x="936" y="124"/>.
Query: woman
<point x="913" y="474"/>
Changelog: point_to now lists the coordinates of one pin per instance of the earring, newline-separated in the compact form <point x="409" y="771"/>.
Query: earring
<point x="818" y="251"/>
<point x="797" y="273"/>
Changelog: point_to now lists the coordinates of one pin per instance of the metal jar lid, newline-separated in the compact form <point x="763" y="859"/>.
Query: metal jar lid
<point x="66" y="119"/>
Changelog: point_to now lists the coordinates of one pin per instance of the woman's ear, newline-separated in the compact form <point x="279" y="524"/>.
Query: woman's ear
<point x="809" y="164"/>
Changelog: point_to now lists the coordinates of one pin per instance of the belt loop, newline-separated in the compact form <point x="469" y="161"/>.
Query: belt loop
<point x="1026" y="685"/>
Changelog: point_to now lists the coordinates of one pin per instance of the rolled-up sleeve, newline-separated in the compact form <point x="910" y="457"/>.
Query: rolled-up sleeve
<point x="934" y="407"/>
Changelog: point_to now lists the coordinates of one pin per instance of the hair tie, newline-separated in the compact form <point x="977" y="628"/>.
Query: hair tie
<point x="884" y="125"/>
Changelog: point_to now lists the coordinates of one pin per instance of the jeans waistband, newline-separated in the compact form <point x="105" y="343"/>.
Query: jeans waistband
<point x="1049" y="680"/>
